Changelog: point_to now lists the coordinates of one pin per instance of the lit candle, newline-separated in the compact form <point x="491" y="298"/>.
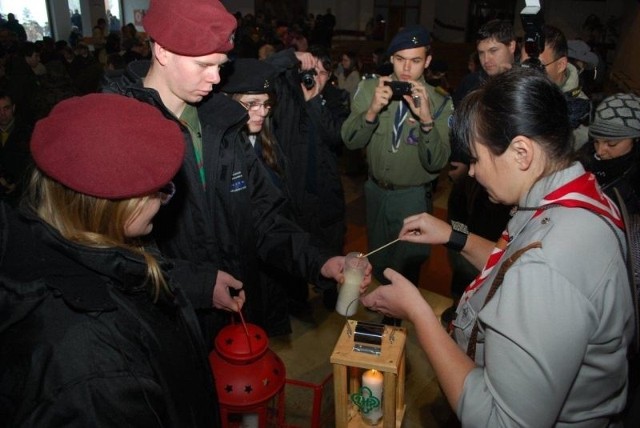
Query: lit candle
<point x="250" y="420"/>
<point x="374" y="380"/>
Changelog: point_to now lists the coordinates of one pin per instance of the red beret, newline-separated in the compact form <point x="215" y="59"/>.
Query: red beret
<point x="108" y="146"/>
<point x="190" y="27"/>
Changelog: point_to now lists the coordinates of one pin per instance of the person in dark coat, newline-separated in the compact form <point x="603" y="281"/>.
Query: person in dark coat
<point x="307" y="120"/>
<point x="94" y="330"/>
<point x="469" y="202"/>
<point x="15" y="27"/>
<point x="228" y="216"/>
<point x="250" y="82"/>
<point x="14" y="150"/>
<point x="23" y="84"/>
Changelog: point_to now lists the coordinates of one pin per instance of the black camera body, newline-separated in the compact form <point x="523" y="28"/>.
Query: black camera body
<point x="532" y="23"/>
<point x="398" y="89"/>
<point x="307" y="79"/>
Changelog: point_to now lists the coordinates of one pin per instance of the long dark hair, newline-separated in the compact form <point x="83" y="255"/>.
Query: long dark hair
<point x="353" y="57"/>
<point x="523" y="102"/>
<point x="267" y="139"/>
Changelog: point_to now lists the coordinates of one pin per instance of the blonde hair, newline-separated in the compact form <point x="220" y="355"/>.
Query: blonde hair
<point x="91" y="221"/>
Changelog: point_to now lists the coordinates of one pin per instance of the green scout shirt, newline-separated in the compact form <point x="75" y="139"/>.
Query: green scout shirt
<point x="420" y="156"/>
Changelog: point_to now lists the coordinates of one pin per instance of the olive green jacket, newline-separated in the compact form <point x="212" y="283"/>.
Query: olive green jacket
<point x="420" y="155"/>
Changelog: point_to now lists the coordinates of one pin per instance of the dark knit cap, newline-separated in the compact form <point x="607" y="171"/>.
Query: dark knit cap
<point x="190" y="27"/>
<point x="617" y="117"/>
<point x="409" y="37"/>
<point x="248" y="76"/>
<point x="108" y="146"/>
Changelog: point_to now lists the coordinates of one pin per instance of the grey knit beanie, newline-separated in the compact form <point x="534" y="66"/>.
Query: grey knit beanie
<point x="617" y="117"/>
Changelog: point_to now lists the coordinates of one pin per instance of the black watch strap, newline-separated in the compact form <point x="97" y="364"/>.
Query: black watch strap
<point x="459" y="235"/>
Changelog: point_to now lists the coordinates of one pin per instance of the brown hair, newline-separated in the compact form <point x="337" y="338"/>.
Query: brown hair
<point x="268" y="141"/>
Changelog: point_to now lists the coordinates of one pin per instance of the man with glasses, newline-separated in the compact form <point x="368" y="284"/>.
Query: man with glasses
<point x="565" y="75"/>
<point x="226" y="214"/>
<point x="307" y="117"/>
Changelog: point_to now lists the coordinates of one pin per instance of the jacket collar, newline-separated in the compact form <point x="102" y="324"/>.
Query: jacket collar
<point x="216" y="108"/>
<point x="90" y="269"/>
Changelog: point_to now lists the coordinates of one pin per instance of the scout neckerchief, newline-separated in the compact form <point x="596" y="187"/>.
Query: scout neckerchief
<point x="401" y="114"/>
<point x="189" y="118"/>
<point x="582" y="192"/>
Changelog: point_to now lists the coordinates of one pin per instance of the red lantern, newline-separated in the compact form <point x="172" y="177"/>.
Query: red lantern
<point x="249" y="378"/>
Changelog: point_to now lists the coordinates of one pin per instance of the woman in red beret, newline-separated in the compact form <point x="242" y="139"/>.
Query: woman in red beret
<point x="93" y="331"/>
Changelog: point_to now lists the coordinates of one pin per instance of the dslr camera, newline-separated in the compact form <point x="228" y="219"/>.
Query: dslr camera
<point x="307" y="79"/>
<point x="533" y="37"/>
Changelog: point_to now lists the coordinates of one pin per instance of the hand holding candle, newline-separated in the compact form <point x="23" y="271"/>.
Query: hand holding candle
<point x="354" y="270"/>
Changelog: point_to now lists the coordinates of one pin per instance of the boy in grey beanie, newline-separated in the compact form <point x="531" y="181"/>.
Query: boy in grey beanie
<point x="614" y="156"/>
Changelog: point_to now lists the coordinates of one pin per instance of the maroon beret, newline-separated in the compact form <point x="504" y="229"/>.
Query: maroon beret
<point x="190" y="27"/>
<point x="108" y="146"/>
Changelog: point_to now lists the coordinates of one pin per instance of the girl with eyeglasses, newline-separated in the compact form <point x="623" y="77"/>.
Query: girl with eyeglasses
<point x="250" y="82"/>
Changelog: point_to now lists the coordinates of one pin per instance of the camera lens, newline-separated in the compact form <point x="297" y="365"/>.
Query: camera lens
<point x="308" y="81"/>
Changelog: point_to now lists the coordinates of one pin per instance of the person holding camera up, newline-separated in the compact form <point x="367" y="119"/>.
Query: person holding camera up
<point x="404" y="125"/>
<point x="306" y="121"/>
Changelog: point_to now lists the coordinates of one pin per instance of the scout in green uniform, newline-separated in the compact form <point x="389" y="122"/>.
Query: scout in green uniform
<point x="407" y="143"/>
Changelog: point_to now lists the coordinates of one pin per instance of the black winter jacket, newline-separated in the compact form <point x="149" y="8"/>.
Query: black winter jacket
<point x="231" y="224"/>
<point x="83" y="345"/>
<point x="309" y="134"/>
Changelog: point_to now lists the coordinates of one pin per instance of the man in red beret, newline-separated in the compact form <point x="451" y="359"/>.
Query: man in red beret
<point x="227" y="214"/>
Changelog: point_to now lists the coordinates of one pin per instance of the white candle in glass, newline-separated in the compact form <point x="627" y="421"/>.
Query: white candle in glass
<point x="347" y="303"/>
<point x="374" y="380"/>
<point x="354" y="267"/>
<point x="250" y="420"/>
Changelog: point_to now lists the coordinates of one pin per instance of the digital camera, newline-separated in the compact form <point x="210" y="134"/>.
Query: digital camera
<point x="532" y="23"/>
<point x="307" y="79"/>
<point x="398" y="89"/>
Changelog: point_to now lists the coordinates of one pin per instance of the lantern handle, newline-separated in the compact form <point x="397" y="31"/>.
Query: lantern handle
<point x="244" y="326"/>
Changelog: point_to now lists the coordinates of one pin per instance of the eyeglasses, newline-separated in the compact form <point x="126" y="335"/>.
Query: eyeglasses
<point x="166" y="193"/>
<point x="551" y="62"/>
<point x="255" y="105"/>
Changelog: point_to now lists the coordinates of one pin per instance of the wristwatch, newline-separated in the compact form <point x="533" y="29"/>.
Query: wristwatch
<point x="459" y="235"/>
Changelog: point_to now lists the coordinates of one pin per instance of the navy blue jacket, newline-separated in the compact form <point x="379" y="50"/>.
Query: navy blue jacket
<point x="231" y="225"/>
